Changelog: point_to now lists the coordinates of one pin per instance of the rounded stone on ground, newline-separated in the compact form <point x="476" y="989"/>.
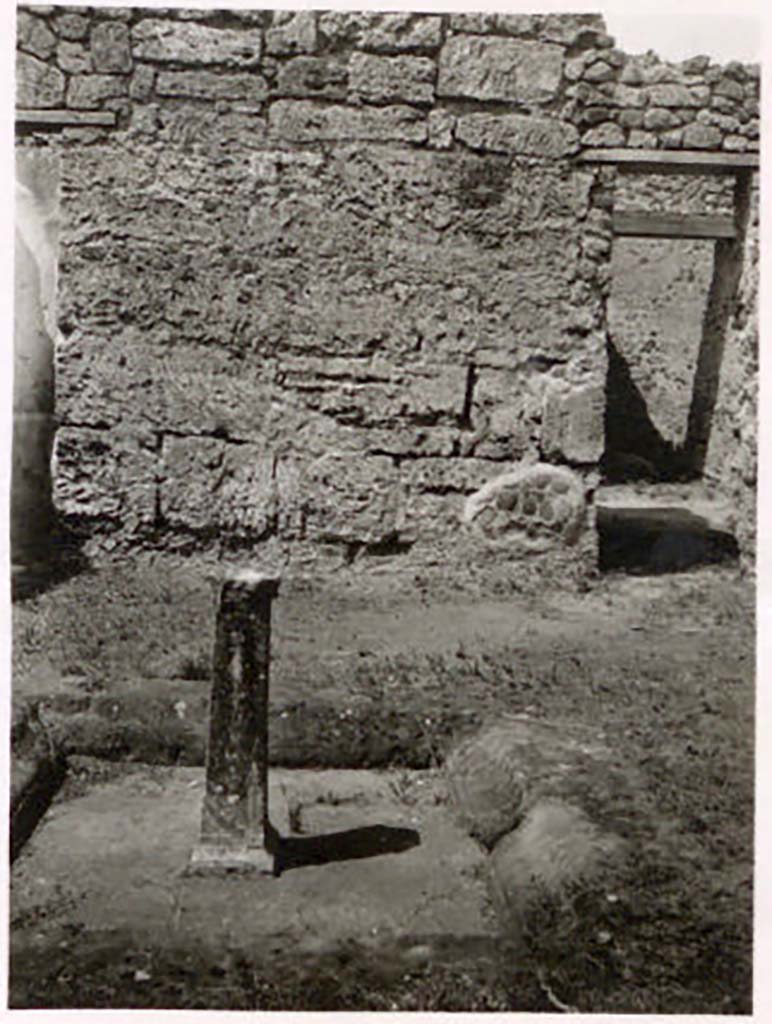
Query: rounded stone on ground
<point x="499" y="773"/>
<point x="554" y="853"/>
<point x="487" y="784"/>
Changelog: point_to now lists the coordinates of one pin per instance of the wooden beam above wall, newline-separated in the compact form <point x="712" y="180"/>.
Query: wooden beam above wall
<point x="672" y="160"/>
<point x="673" y="225"/>
<point x="64" y="118"/>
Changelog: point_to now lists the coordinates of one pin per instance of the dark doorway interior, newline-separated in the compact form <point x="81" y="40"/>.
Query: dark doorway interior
<point x="649" y="541"/>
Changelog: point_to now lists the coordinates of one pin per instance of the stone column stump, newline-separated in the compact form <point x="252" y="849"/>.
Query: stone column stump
<point x="236" y="834"/>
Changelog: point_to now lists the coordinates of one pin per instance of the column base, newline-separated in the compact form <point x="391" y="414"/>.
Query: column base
<point x="210" y="859"/>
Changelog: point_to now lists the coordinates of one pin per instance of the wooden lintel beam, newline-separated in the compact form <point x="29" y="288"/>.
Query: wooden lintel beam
<point x="673" y="225"/>
<point x="679" y="161"/>
<point x="64" y="118"/>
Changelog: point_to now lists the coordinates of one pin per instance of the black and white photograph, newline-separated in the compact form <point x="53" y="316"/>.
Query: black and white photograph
<point x="383" y="503"/>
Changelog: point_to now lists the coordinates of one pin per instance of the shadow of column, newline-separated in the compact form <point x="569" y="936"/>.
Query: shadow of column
<point x="722" y="302"/>
<point x="351" y="844"/>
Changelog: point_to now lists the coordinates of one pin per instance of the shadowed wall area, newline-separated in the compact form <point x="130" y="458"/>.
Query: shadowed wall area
<point x="36" y="244"/>
<point x="722" y="305"/>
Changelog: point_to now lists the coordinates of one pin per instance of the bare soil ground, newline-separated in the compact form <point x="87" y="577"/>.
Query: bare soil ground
<point x="663" y="665"/>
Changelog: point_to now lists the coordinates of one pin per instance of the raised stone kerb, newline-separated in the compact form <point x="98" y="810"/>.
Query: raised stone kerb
<point x="236" y="833"/>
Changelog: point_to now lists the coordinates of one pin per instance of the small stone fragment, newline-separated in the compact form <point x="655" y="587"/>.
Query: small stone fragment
<point x="312" y="76"/>
<point x="392" y="79"/>
<point x="702" y="136"/>
<point x="38" y="84"/>
<point x="291" y="33"/>
<point x="34" y="36"/>
<point x="71" y="26"/>
<point x="555" y="853"/>
<point x="85" y="92"/>
<point x="111" y="47"/>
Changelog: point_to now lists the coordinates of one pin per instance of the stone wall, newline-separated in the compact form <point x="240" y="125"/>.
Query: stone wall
<point x="643" y="102"/>
<point x="331" y="273"/>
<point x="730" y="370"/>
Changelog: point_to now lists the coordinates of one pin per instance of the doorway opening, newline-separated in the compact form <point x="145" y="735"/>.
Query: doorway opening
<point x="675" y="279"/>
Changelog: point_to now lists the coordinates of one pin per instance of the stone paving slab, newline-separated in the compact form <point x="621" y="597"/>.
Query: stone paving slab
<point x="378" y="855"/>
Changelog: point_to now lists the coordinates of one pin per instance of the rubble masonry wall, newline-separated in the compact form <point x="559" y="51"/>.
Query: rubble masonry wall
<point x="333" y="272"/>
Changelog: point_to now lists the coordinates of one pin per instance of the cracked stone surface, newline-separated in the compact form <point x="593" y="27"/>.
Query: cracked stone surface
<point x="108" y="859"/>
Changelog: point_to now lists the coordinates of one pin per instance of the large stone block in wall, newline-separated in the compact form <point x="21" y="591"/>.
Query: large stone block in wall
<point x="382" y="33"/>
<point x="105" y="477"/>
<point x="673" y="95"/>
<point x="324" y="77"/>
<point x="510" y="70"/>
<point x="38" y="84"/>
<point x="211" y="485"/>
<point x="134" y="379"/>
<point x="573" y="423"/>
<point x="212" y="85"/>
<point x="392" y="79"/>
<point x="353" y="499"/>
<point x="376" y="393"/>
<point x="291" y="32"/>
<point x="502" y="24"/>
<point x="447" y="475"/>
<point x="86" y="92"/>
<point x="190" y="43"/>
<point x="299" y="121"/>
<point x="517" y="133"/>
<point x="111" y="47"/>
<point x="34" y="36"/>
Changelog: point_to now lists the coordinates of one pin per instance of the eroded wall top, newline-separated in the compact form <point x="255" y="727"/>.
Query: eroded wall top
<point x="398" y="76"/>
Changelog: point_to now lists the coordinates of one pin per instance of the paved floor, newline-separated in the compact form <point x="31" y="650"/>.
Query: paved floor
<point x="374" y="855"/>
